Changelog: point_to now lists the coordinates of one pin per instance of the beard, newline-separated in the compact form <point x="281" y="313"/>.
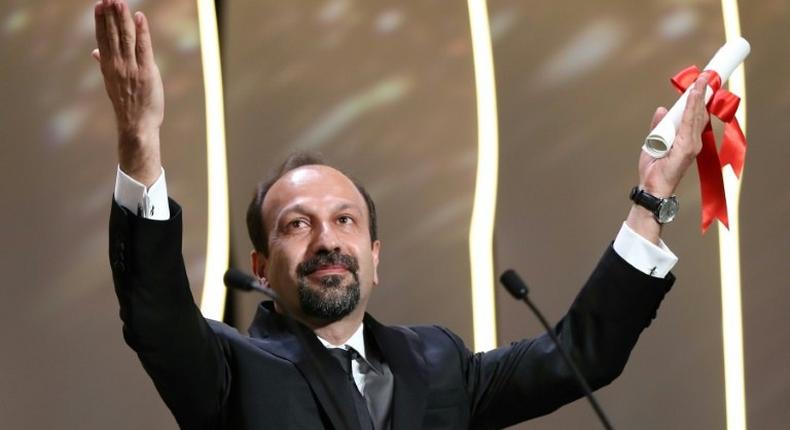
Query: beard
<point x="334" y="297"/>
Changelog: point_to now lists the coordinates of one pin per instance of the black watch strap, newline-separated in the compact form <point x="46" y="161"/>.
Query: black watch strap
<point x="663" y="209"/>
<point x="645" y="199"/>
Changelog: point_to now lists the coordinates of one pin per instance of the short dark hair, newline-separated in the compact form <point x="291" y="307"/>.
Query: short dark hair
<point x="255" y="227"/>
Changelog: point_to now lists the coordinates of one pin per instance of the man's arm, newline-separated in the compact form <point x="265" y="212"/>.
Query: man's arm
<point x="527" y="378"/>
<point x="639" y="240"/>
<point x="661" y="176"/>
<point x="134" y="85"/>
<point x="161" y="322"/>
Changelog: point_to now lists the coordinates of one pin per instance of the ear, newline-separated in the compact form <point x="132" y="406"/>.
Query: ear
<point x="259" y="264"/>
<point x="376" y="249"/>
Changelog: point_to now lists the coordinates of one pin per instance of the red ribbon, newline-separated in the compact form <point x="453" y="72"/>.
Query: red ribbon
<point x="722" y="105"/>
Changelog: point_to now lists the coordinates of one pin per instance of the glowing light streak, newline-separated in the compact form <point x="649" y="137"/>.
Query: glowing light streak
<point x="729" y="255"/>
<point x="481" y="230"/>
<point x="212" y="302"/>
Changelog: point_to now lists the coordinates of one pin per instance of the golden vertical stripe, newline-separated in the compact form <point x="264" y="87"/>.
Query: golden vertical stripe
<point x="729" y="255"/>
<point x="212" y="302"/>
<point x="481" y="230"/>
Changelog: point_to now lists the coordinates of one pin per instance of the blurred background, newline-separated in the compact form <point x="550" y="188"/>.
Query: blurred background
<point x="386" y="91"/>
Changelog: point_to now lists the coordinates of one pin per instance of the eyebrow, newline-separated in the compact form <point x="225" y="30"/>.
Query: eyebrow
<point x="298" y="208"/>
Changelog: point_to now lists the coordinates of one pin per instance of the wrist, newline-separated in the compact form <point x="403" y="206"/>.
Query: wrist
<point x="138" y="155"/>
<point x="644" y="223"/>
<point x="138" y="136"/>
<point x="660" y="191"/>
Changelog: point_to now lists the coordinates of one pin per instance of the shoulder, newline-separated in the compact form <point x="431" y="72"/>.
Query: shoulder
<point x="222" y="329"/>
<point x="432" y="332"/>
<point x="436" y="341"/>
<point x="235" y="343"/>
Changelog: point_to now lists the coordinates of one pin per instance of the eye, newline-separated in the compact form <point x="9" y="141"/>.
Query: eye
<point x="296" y="224"/>
<point x="345" y="219"/>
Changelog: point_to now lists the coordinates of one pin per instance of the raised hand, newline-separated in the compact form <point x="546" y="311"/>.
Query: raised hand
<point x="661" y="176"/>
<point x="134" y="85"/>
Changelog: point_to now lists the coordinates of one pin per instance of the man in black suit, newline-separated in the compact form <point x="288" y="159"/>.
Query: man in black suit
<point x="315" y="239"/>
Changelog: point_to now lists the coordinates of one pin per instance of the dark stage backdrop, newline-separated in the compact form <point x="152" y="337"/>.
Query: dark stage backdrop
<point x="386" y="91"/>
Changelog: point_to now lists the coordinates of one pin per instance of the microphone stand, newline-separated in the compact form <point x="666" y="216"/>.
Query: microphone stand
<point x="518" y="289"/>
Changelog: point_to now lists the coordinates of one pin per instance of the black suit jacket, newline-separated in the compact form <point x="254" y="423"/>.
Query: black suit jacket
<point x="211" y="376"/>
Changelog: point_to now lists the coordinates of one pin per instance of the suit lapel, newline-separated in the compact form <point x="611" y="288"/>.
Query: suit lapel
<point x="320" y="370"/>
<point x="401" y="349"/>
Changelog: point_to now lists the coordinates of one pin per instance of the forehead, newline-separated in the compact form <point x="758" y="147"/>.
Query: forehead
<point x="312" y="186"/>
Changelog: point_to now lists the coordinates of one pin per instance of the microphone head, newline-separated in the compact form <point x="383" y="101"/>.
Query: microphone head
<point x="513" y="284"/>
<point x="235" y="278"/>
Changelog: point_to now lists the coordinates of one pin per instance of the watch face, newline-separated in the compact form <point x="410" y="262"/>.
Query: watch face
<point x="667" y="210"/>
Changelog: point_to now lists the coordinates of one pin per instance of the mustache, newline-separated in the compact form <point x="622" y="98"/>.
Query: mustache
<point x="330" y="258"/>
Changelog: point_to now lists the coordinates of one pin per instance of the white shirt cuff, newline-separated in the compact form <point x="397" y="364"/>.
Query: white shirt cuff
<point x="644" y="255"/>
<point x="148" y="203"/>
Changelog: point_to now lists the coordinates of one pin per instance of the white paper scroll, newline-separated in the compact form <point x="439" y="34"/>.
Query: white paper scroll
<point x="727" y="58"/>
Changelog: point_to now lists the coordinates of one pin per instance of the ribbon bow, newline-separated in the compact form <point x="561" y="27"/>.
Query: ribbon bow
<point x="722" y="105"/>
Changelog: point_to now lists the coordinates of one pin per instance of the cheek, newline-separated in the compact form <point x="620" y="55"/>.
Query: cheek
<point x="366" y="266"/>
<point x="281" y="267"/>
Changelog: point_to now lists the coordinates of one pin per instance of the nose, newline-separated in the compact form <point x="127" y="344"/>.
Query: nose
<point x="325" y="239"/>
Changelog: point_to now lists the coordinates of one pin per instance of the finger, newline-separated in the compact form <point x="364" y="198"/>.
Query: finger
<point x="145" y="52"/>
<point x="126" y="30"/>
<point x="661" y="111"/>
<point x="111" y="29"/>
<point x="96" y="55"/>
<point x="701" y="116"/>
<point x="101" y="32"/>
<point x="695" y="106"/>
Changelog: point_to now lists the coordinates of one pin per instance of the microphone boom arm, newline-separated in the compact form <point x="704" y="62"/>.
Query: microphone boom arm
<point x="518" y="289"/>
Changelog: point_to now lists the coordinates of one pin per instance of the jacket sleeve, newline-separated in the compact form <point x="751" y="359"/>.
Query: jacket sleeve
<point x="161" y="323"/>
<point x="528" y="378"/>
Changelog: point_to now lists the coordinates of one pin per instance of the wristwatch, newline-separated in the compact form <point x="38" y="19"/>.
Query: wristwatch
<point x="664" y="209"/>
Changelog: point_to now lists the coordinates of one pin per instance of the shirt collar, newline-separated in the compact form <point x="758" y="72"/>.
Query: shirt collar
<point x="356" y="341"/>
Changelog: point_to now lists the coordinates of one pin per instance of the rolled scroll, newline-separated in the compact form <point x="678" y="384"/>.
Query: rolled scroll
<point x="727" y="58"/>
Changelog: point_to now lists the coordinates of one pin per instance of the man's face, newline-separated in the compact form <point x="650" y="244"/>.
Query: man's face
<point x="321" y="260"/>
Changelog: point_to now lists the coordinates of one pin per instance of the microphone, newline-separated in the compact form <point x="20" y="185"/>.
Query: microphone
<point x="238" y="280"/>
<point x="518" y="289"/>
<point x="513" y="284"/>
<point x="235" y="278"/>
